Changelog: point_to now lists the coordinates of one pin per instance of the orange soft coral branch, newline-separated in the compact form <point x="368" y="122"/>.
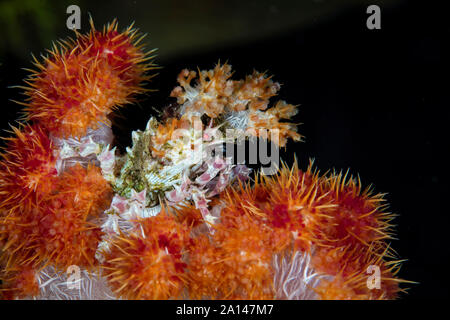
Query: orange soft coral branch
<point x="85" y="79"/>
<point x="359" y="216"/>
<point x="91" y="192"/>
<point x="58" y="229"/>
<point x="328" y="217"/>
<point x="45" y="218"/>
<point x="290" y="202"/>
<point x="148" y="263"/>
<point x="349" y="268"/>
<point x="18" y="284"/>
<point x="234" y="264"/>
<point x="27" y="166"/>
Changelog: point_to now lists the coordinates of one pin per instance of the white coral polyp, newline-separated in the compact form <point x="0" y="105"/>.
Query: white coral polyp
<point x="295" y="277"/>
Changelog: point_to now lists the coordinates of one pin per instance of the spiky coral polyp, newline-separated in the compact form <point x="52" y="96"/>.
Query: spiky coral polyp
<point x="148" y="263"/>
<point x="290" y="203"/>
<point x="26" y="168"/>
<point x="59" y="229"/>
<point x="359" y="215"/>
<point x="85" y="79"/>
<point x="351" y="269"/>
<point x="91" y="192"/>
<point x="236" y="262"/>
<point x="19" y="284"/>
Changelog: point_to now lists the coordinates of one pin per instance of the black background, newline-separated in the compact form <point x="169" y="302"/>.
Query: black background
<point x="374" y="101"/>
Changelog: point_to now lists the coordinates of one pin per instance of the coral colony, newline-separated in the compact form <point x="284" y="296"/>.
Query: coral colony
<point x="173" y="217"/>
